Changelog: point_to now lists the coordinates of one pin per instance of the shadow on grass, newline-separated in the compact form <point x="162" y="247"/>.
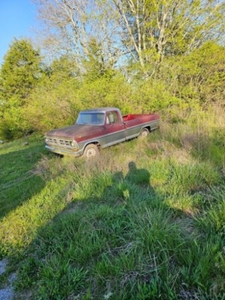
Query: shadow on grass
<point x="101" y="225"/>
<point x="124" y="242"/>
<point x="17" y="182"/>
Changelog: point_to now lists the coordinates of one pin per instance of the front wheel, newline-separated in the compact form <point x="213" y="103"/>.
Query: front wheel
<point x="144" y="133"/>
<point x="91" y="151"/>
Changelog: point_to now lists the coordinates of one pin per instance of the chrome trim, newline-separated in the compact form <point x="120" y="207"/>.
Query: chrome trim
<point x="64" y="151"/>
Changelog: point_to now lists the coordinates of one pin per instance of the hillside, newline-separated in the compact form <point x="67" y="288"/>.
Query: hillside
<point x="145" y="220"/>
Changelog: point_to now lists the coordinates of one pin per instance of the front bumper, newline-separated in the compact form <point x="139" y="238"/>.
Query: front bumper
<point x="64" y="151"/>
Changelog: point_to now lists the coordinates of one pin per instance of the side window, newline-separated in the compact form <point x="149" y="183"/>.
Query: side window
<point x="112" y="117"/>
<point x="115" y="117"/>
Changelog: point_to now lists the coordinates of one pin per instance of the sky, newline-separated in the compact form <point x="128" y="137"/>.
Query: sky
<point x="17" y="18"/>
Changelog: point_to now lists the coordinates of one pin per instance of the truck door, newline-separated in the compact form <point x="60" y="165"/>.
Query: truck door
<point x="115" y="129"/>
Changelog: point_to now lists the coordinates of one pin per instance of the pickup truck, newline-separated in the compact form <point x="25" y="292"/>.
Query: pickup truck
<point x="99" y="128"/>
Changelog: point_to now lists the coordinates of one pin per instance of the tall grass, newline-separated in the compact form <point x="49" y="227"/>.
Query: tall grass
<point x="143" y="221"/>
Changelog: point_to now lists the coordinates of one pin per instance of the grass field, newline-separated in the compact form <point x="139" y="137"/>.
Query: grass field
<point x="146" y="220"/>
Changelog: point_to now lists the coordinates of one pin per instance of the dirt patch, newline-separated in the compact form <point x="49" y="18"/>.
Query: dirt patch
<point x="3" y="264"/>
<point x="7" y="291"/>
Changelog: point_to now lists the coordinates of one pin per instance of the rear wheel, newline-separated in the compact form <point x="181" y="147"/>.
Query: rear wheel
<point x="144" y="133"/>
<point x="91" y="151"/>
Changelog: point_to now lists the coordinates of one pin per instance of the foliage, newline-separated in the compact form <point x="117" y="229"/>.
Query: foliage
<point x="196" y="79"/>
<point x="202" y="74"/>
<point x="108" y="90"/>
<point x="54" y="101"/>
<point x="19" y="74"/>
<point x="59" y="97"/>
<point x="153" y="95"/>
<point x="94" y="64"/>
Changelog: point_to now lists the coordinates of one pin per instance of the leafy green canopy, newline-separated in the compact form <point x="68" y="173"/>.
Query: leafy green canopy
<point x="19" y="75"/>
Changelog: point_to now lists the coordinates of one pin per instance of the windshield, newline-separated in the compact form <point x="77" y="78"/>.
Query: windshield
<point x="90" y="118"/>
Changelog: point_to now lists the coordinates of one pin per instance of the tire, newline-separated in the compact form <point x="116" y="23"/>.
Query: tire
<point x="144" y="133"/>
<point x="91" y="151"/>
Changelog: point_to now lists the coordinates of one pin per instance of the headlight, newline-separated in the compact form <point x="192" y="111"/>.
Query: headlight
<point x="46" y="140"/>
<point x="74" y="144"/>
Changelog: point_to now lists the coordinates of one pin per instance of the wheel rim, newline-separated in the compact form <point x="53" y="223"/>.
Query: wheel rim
<point x="144" y="133"/>
<point x="91" y="152"/>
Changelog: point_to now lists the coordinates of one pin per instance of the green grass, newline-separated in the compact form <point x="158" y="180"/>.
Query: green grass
<point x="144" y="221"/>
<point x="18" y="184"/>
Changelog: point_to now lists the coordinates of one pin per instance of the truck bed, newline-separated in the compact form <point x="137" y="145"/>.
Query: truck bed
<point x="130" y="117"/>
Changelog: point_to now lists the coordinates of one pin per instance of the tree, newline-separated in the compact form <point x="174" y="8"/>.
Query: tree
<point x="19" y="74"/>
<point x="54" y="101"/>
<point x="201" y="75"/>
<point x="144" y="30"/>
<point x="71" y="25"/>
<point x="155" y="29"/>
<point x="94" y="63"/>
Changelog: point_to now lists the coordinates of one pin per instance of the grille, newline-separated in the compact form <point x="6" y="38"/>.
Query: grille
<point x="52" y="141"/>
<point x="60" y="142"/>
<point x="64" y="143"/>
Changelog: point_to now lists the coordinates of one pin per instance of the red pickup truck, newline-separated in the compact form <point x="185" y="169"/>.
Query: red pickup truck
<point x="99" y="128"/>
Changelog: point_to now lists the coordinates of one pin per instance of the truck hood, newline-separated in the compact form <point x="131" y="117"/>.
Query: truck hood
<point x="76" y="131"/>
